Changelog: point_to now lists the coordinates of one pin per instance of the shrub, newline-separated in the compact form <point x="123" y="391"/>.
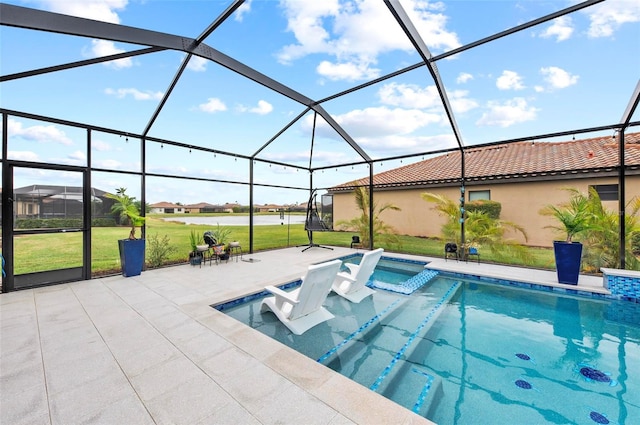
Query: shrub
<point x="635" y="243"/>
<point x="158" y="250"/>
<point x="103" y="222"/>
<point x="491" y="208"/>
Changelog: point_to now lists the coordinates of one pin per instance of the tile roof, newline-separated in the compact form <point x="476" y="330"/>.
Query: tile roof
<point x="201" y="205"/>
<point x="521" y="159"/>
<point x="164" y="204"/>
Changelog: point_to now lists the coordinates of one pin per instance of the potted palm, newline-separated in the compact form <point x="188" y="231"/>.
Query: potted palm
<point x="131" y="249"/>
<point x="573" y="218"/>
<point x="197" y="248"/>
<point x="221" y="235"/>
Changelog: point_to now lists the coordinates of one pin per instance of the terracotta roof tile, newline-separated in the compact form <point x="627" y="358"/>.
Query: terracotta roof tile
<point x="164" y="205"/>
<point x="520" y="158"/>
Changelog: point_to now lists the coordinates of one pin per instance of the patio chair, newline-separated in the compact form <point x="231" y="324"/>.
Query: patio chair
<point x="355" y="241"/>
<point x="301" y="309"/>
<point x="220" y="254"/>
<point x="450" y="249"/>
<point x="352" y="284"/>
<point x="473" y="251"/>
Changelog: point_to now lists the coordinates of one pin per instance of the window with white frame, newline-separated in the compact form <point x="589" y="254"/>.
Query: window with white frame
<point x="475" y="195"/>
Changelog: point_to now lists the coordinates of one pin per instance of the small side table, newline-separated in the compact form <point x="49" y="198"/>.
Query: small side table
<point x="204" y="250"/>
<point x="235" y="249"/>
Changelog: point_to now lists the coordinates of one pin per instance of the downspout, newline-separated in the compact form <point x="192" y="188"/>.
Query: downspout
<point x="621" y="202"/>
<point x="251" y="205"/>
<point x="371" y="206"/>
<point x="626" y="118"/>
<point x="462" y="203"/>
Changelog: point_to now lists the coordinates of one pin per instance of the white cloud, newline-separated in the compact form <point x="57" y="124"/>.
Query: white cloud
<point x="325" y="157"/>
<point x="538" y="89"/>
<point x="242" y="10"/>
<point x="609" y="16"/>
<point x="135" y="93"/>
<point x="99" y="10"/>
<point x="375" y="122"/>
<point x="414" y="96"/>
<point x="349" y="71"/>
<point x="460" y="102"/>
<point x="110" y="164"/>
<point x="558" y="78"/>
<point x="409" y="96"/>
<point x="506" y="114"/>
<point x="401" y="144"/>
<point x="213" y="105"/>
<point x="509" y="80"/>
<point x="100" y="146"/>
<point x="38" y="133"/>
<point x="23" y="156"/>
<point x="197" y="64"/>
<point x="78" y="156"/>
<point x="101" y="48"/>
<point x="263" y="108"/>
<point x="351" y="32"/>
<point x="464" y="77"/>
<point x="562" y="28"/>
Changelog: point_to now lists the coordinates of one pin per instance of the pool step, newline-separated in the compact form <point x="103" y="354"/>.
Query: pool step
<point x="409" y="286"/>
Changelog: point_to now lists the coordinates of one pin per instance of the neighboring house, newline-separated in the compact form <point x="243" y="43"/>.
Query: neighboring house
<point x="522" y="176"/>
<point x="203" y="207"/>
<point x="269" y="208"/>
<point x="48" y="201"/>
<point x="166" y="208"/>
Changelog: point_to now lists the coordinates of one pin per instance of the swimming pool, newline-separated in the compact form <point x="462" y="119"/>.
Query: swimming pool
<point x="464" y="351"/>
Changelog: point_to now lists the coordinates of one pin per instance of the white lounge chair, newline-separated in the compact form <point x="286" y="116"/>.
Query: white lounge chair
<point x="302" y="309"/>
<point x="352" y="284"/>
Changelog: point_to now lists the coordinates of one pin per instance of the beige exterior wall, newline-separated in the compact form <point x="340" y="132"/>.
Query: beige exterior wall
<point x="521" y="203"/>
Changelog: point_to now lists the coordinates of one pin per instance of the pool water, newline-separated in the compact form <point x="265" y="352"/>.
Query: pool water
<point x="461" y="351"/>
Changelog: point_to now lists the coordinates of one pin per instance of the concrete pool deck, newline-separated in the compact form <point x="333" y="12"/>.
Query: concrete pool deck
<point x="150" y="350"/>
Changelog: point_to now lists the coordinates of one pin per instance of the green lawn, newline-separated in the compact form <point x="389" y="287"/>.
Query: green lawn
<point x="64" y="250"/>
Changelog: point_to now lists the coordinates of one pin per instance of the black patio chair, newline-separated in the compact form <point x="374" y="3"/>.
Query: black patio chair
<point x="450" y="249"/>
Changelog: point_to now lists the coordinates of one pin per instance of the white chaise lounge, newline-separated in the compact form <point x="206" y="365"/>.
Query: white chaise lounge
<point x="301" y="309"/>
<point x="352" y="284"/>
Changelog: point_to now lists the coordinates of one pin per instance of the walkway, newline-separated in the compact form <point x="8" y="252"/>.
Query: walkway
<point x="150" y="350"/>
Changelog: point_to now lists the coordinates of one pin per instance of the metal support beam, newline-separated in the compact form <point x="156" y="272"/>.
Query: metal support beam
<point x="215" y="24"/>
<point x="329" y="119"/>
<point x="622" y="200"/>
<point x="407" y="26"/>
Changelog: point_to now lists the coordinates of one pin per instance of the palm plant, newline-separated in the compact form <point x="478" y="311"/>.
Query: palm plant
<point x="573" y="217"/>
<point x="602" y="248"/>
<point x="360" y="224"/>
<point x="481" y="230"/>
<point x="126" y="208"/>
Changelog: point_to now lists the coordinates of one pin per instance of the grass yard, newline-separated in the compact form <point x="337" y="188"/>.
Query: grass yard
<point x="63" y="250"/>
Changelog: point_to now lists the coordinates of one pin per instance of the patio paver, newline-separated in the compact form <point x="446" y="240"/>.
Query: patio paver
<point x="150" y="349"/>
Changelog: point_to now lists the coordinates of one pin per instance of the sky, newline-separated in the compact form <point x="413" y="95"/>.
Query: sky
<point x="573" y="72"/>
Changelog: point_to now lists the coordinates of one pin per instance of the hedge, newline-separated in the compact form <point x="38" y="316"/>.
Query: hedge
<point x="60" y="223"/>
<point x="491" y="208"/>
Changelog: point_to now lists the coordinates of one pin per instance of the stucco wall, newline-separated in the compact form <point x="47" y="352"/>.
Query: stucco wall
<point x="521" y="203"/>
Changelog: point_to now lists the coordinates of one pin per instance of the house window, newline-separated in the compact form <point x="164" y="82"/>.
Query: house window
<point x="475" y="195"/>
<point x="607" y="192"/>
